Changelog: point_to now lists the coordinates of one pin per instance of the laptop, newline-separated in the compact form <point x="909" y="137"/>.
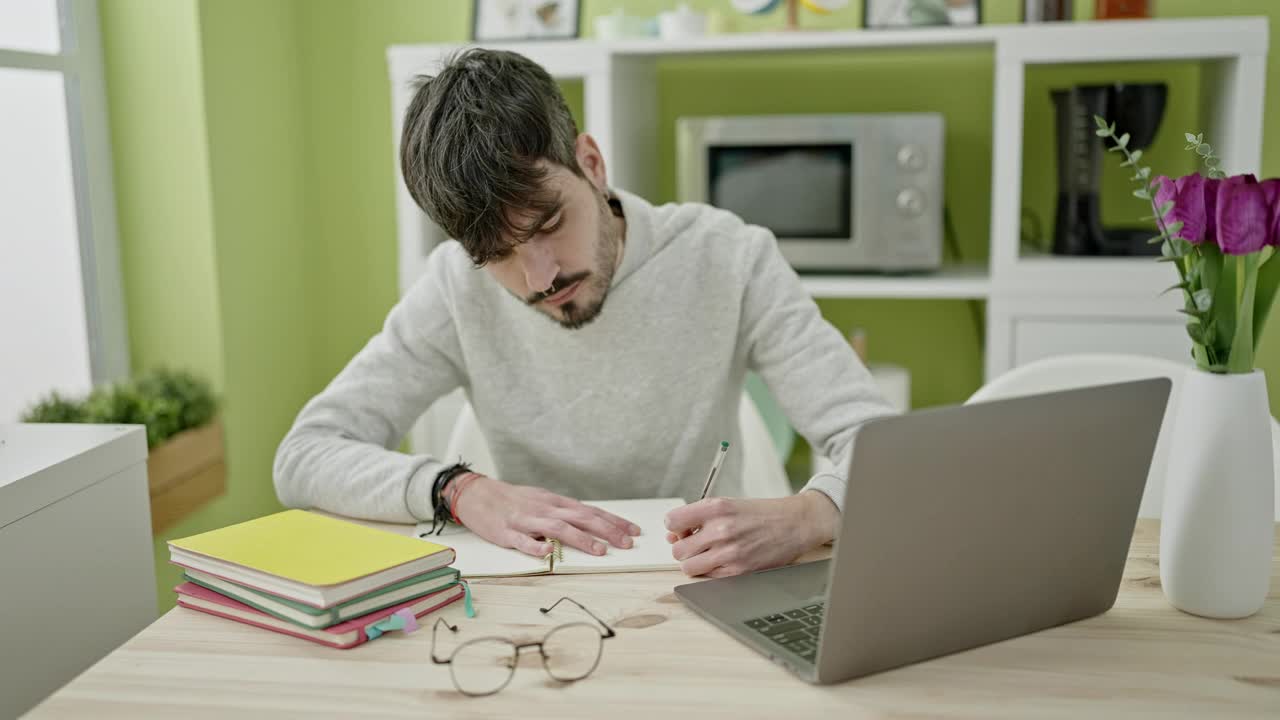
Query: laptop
<point x="962" y="526"/>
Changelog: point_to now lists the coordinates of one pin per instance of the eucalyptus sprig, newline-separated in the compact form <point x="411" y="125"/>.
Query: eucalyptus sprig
<point x="1172" y="247"/>
<point x="1197" y="299"/>
<point x="1196" y="142"/>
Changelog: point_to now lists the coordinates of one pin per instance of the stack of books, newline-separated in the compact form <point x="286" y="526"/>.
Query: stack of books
<point x="315" y="577"/>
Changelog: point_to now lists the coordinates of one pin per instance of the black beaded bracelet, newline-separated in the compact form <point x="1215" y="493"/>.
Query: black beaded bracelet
<point x="440" y="512"/>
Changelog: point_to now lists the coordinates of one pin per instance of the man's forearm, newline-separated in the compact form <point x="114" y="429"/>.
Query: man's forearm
<point x="322" y="469"/>
<point x="819" y="516"/>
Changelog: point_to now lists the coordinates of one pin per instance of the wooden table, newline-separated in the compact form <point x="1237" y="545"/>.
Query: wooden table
<point x="1142" y="658"/>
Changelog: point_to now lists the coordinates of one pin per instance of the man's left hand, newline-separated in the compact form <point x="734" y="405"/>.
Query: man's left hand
<point x="720" y="537"/>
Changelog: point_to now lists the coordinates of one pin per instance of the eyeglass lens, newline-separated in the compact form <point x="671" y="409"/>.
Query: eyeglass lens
<point x="571" y="652"/>
<point x="483" y="666"/>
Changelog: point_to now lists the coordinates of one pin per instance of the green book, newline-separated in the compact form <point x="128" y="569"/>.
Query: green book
<point x="313" y="617"/>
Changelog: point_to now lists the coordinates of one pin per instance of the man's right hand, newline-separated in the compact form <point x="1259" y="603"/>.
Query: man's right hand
<point x="522" y="517"/>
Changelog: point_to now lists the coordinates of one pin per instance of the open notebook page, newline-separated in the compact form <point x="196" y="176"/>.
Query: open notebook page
<point x="651" y="550"/>
<point x="477" y="557"/>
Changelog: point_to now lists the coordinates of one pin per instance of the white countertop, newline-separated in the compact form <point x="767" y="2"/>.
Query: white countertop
<point x="43" y="463"/>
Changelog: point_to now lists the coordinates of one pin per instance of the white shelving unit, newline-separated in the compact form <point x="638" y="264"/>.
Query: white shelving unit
<point x="953" y="282"/>
<point x="1036" y="306"/>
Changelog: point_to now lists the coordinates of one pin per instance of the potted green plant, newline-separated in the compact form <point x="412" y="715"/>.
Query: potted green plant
<point x="185" y="466"/>
<point x="1219" y="233"/>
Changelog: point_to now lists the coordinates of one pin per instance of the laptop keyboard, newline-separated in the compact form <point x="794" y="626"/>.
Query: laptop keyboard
<point x="795" y="630"/>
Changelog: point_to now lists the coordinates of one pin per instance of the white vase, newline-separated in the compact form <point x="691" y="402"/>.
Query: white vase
<point x="1217" y="525"/>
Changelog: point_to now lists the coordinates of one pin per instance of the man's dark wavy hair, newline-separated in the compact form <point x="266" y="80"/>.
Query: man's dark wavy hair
<point x="474" y="136"/>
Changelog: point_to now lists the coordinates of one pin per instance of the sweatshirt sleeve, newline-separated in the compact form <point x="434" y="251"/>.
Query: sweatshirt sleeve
<point x="339" y="455"/>
<point x="826" y="392"/>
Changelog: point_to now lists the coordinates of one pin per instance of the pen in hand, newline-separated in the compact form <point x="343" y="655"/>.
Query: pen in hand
<point x="715" y="467"/>
<point x="716" y="462"/>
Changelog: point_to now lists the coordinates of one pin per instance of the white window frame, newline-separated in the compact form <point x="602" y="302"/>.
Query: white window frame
<point x="81" y="64"/>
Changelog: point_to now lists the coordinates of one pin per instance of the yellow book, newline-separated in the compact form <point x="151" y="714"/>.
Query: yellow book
<point x="314" y="559"/>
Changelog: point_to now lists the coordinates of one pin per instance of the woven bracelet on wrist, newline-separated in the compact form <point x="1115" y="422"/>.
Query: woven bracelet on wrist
<point x="440" y="512"/>
<point x="462" y="483"/>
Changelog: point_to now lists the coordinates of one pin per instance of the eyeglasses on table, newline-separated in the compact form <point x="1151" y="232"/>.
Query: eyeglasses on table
<point x="485" y="665"/>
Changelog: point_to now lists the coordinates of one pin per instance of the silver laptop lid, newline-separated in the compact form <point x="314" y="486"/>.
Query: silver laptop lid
<point x="967" y="525"/>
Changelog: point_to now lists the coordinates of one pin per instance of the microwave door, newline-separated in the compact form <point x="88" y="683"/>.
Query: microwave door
<point x="802" y="192"/>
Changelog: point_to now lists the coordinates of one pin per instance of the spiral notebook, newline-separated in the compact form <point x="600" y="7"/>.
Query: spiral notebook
<point x="477" y="557"/>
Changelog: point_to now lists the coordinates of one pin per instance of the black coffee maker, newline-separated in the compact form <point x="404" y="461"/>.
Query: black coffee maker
<point x="1135" y="109"/>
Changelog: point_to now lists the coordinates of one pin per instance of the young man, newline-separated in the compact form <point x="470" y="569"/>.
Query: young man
<point x="602" y="342"/>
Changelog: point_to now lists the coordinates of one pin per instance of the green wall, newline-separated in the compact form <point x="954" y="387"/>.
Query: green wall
<point x="350" y="162"/>
<point x="165" y="215"/>
<point x="255" y="177"/>
<point x="255" y="135"/>
<point x="207" y="120"/>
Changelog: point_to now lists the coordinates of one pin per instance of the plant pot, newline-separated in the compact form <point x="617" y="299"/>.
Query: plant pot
<point x="184" y="473"/>
<point x="1217" y="527"/>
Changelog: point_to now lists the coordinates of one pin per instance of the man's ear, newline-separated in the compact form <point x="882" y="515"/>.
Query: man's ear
<point x="591" y="160"/>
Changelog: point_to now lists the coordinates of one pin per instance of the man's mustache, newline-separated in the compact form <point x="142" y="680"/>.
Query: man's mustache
<point x="560" y="283"/>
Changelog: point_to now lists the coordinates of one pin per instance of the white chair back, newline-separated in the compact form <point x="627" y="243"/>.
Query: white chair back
<point x="1063" y="372"/>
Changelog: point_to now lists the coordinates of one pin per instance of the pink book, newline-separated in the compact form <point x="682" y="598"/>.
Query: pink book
<point x="343" y="635"/>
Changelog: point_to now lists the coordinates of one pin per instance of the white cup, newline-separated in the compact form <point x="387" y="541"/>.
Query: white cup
<point x="682" y="23"/>
<point x="617" y="25"/>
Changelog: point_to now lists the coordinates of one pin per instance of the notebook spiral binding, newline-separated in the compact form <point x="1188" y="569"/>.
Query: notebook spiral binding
<point x="556" y="554"/>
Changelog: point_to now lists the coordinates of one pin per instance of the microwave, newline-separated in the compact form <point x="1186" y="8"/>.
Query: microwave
<point x="848" y="192"/>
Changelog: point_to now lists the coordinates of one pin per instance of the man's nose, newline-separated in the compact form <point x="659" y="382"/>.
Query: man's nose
<point x="539" y="265"/>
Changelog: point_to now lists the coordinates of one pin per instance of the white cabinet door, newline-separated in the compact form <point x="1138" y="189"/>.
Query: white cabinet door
<point x="1037" y="337"/>
<point x="1024" y="330"/>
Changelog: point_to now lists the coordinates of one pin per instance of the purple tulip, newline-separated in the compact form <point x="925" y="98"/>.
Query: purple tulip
<point x="1188" y="208"/>
<point x="1271" y="192"/>
<point x="1243" y="215"/>
<point x="1211" y="186"/>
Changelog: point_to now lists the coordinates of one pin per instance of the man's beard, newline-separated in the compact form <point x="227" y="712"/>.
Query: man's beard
<point x="576" y="314"/>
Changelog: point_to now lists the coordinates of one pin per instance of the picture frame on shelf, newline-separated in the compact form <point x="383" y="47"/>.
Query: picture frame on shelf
<point x="881" y="14"/>
<point x="510" y="20"/>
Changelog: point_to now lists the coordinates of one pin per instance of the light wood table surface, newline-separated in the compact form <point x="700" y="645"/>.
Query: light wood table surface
<point x="1140" y="659"/>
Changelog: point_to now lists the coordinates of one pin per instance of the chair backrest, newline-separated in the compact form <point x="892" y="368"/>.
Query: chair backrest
<point x="763" y="474"/>
<point x="1063" y="372"/>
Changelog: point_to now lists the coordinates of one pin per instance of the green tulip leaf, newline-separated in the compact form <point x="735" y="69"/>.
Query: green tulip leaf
<point x="1268" y="282"/>
<point x="1218" y="276"/>
<point x="1241" y="358"/>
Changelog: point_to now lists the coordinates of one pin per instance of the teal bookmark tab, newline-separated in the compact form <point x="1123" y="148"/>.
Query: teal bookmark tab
<point x="466" y="599"/>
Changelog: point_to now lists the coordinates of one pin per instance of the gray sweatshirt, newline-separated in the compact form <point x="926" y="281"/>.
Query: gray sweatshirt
<point x="632" y="405"/>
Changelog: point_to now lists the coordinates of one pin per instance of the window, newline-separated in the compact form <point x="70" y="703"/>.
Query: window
<point x="62" y="321"/>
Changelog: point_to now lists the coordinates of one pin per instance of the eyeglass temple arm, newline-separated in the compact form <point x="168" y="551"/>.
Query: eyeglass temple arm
<point x="434" y="628"/>
<point x="608" y="630"/>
